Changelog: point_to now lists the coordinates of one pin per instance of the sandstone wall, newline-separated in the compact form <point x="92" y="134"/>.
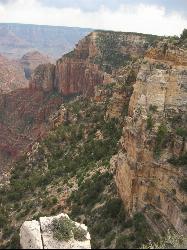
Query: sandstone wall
<point x="143" y="179"/>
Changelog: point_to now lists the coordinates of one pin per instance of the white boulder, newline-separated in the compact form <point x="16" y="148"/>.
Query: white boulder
<point x="39" y="235"/>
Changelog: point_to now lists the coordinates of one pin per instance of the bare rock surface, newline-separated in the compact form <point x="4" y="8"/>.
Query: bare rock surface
<point x="30" y="235"/>
<point x="40" y="235"/>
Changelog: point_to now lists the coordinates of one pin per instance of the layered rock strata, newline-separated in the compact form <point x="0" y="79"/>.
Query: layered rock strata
<point x="144" y="176"/>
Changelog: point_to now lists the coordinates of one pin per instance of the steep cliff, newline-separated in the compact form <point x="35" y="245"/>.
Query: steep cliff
<point x="69" y="171"/>
<point x="31" y="60"/>
<point x="128" y="121"/>
<point x="97" y="59"/>
<point x="43" y="78"/>
<point x="151" y="165"/>
<point x="24" y="117"/>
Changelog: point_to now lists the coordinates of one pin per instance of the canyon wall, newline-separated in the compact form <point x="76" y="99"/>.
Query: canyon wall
<point x="11" y="75"/>
<point x="145" y="177"/>
<point x="92" y="62"/>
<point x="31" y="60"/>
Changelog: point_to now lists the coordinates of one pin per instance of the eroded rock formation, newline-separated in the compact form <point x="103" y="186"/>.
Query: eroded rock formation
<point x="31" y="60"/>
<point x="95" y="61"/>
<point x="144" y="174"/>
<point x="43" y="78"/>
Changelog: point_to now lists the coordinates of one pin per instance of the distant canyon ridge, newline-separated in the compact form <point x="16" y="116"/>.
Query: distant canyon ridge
<point x="19" y="39"/>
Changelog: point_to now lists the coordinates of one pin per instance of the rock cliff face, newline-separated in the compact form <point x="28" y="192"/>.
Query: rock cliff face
<point x="75" y="73"/>
<point x="76" y="76"/>
<point x="24" y="119"/>
<point x="151" y="165"/>
<point x="146" y="95"/>
<point x="43" y="78"/>
<point x="31" y="60"/>
<point x="95" y="61"/>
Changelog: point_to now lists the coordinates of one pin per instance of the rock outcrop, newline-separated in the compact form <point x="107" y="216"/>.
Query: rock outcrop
<point x="144" y="174"/>
<point x="75" y="74"/>
<point x="95" y="61"/>
<point x="31" y="60"/>
<point x="40" y="235"/>
<point x="43" y="78"/>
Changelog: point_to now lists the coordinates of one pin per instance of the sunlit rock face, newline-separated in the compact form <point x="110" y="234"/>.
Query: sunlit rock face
<point x="158" y="108"/>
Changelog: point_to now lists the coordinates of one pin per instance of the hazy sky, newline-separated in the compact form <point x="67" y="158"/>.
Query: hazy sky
<point x="163" y="17"/>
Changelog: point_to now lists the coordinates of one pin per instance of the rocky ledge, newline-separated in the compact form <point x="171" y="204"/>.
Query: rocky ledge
<point x="57" y="232"/>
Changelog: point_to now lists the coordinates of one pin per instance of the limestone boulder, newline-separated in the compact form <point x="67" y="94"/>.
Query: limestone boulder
<point x="40" y="235"/>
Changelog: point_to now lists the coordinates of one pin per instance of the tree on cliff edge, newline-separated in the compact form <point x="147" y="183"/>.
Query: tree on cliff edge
<point x="184" y="34"/>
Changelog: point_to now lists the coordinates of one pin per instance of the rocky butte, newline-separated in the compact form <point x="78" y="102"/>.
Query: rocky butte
<point x="31" y="60"/>
<point x="109" y="119"/>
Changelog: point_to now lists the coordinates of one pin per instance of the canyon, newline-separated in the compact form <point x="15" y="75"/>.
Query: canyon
<point x="110" y="113"/>
<point x="19" y="39"/>
<point x="11" y="75"/>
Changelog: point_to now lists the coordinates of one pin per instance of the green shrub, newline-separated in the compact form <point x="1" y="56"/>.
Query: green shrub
<point x="149" y="122"/>
<point x="171" y="241"/>
<point x="122" y="242"/>
<point x="160" y="139"/>
<point x="109" y="238"/>
<point x="142" y="229"/>
<point x="64" y="229"/>
<point x="180" y="161"/>
<point x="182" y="132"/>
<point x="15" y="241"/>
<point x="113" y="208"/>
<point x="102" y="227"/>
<point x="54" y="200"/>
<point x="3" y="220"/>
<point x="7" y="231"/>
<point x="183" y="185"/>
<point x="153" y="108"/>
<point x="184" y="209"/>
<point x="79" y="233"/>
<point x="128" y="224"/>
<point x="184" y="34"/>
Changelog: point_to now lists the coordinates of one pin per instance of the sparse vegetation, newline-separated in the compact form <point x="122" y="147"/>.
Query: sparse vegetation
<point x="149" y="122"/>
<point x="182" y="132"/>
<point x="180" y="161"/>
<point x="184" y="34"/>
<point x="70" y="157"/>
<point x="172" y="241"/>
<point x="183" y="185"/>
<point x="161" y="139"/>
<point x="64" y="230"/>
<point x="153" y="108"/>
<point x="110" y="57"/>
